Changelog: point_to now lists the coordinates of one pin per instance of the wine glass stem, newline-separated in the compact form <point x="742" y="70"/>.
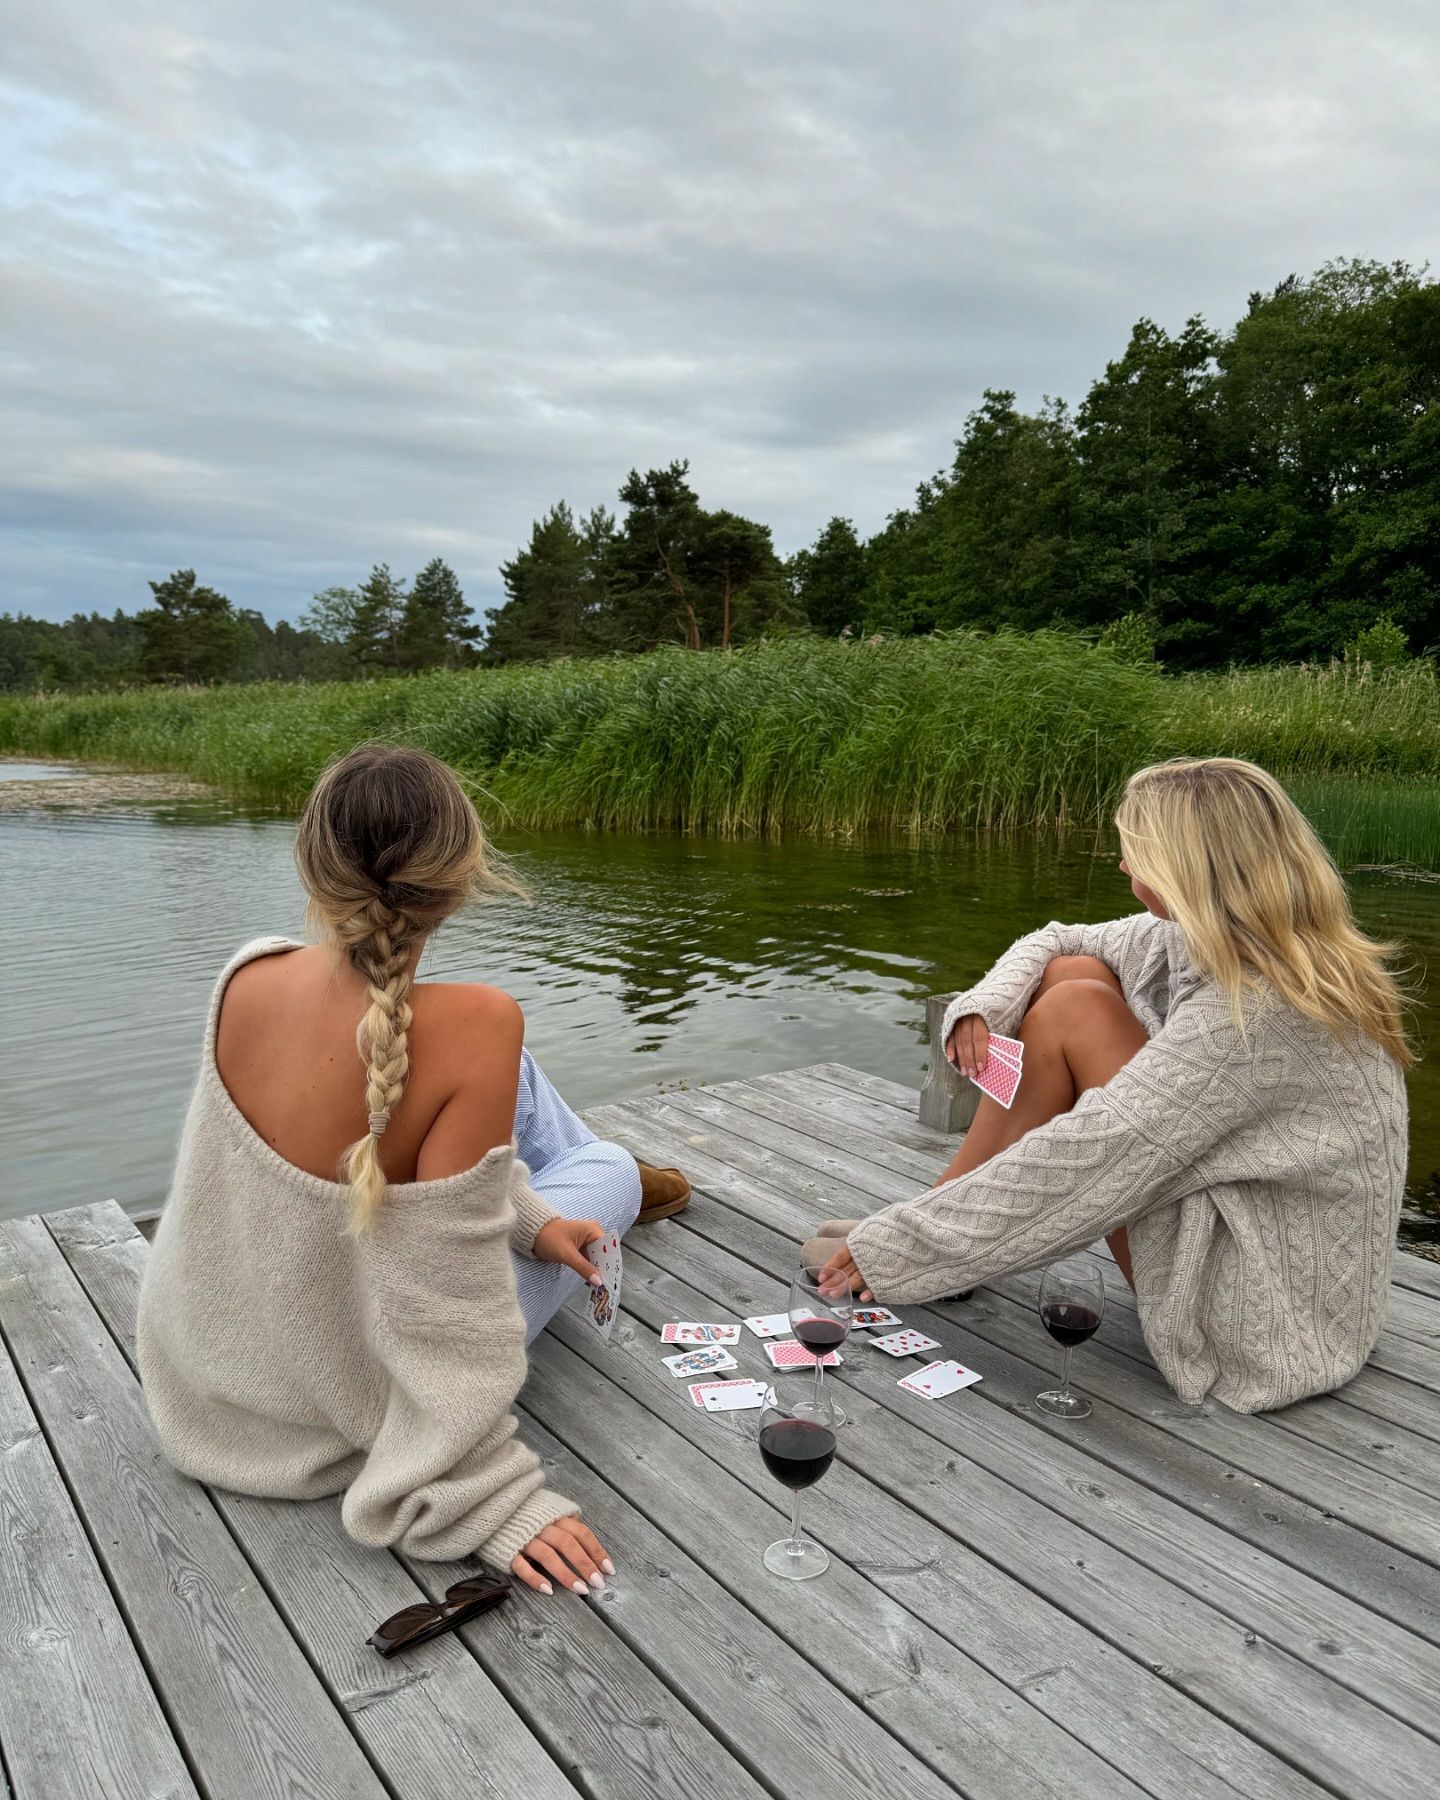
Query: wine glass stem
<point x="1065" y="1372"/>
<point x="794" y="1546"/>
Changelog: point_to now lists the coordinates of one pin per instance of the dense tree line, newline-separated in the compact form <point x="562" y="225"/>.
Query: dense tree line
<point x="192" y="633"/>
<point x="1270" y="493"/>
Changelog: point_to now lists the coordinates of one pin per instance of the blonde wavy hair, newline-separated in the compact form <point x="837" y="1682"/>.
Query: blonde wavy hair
<point x="388" y="845"/>
<point x="1261" y="905"/>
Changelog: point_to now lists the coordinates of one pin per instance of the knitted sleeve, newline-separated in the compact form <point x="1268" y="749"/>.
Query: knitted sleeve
<point x="1123" y="1148"/>
<point x="446" y="1474"/>
<point x="1001" y="997"/>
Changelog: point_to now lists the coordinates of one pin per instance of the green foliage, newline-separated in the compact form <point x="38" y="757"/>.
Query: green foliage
<point x="1381" y="646"/>
<point x="190" y="634"/>
<point x="799" y="734"/>
<point x="437" y="627"/>
<point x="828" y="581"/>
<point x="1130" y="639"/>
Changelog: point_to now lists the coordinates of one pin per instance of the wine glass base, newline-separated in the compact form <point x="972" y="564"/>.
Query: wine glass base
<point x="781" y="1559"/>
<point x="1063" y="1406"/>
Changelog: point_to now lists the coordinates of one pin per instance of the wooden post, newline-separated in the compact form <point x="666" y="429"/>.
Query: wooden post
<point x="946" y="1102"/>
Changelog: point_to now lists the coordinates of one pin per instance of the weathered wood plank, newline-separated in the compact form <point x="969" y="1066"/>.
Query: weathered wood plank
<point x="947" y="1103"/>
<point x="856" y="1081"/>
<point x="434" y="1723"/>
<point x="1418" y="1274"/>
<point x="78" y="1718"/>
<point x="763" y="1700"/>
<point x="1238" y="1670"/>
<point x="935" y="1699"/>
<point x="1124" y="1712"/>
<point x="254" y="1719"/>
<point x="1344" y="1640"/>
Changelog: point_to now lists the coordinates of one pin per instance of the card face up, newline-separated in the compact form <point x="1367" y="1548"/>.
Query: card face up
<point x="869" y="1316"/>
<point x="603" y="1303"/>
<point x="768" y="1325"/>
<point x="700" y="1362"/>
<point x="792" y="1355"/>
<point x="938" y="1378"/>
<point x="686" y="1331"/>
<point x="728" y="1396"/>
<point x="905" y="1343"/>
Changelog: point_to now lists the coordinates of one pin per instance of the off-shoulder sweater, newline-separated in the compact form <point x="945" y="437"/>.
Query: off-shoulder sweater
<point x="1259" y="1173"/>
<point x="282" y="1357"/>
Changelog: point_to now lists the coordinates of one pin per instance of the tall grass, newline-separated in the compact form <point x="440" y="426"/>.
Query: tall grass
<point x="914" y="735"/>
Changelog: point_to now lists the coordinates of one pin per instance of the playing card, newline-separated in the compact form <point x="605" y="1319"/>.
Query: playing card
<point x="873" y="1315"/>
<point x="728" y="1396"/>
<point x="700" y="1362"/>
<point x="938" y="1378"/>
<point x="795" y="1356"/>
<point x="768" y="1325"/>
<point x="904" y="1343"/>
<point x="688" y="1332"/>
<point x="998" y="1080"/>
<point x="1012" y="1049"/>
<point x="603" y="1303"/>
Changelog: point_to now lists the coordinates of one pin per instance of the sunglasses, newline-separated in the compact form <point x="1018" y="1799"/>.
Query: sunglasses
<point x="418" y="1624"/>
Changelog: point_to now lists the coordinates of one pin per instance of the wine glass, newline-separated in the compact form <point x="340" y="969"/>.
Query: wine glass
<point x="820" y="1317"/>
<point x="1072" y="1303"/>
<point x="797" y="1443"/>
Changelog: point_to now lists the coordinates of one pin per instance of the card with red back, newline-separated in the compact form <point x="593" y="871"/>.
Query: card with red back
<point x="998" y="1080"/>
<point x="905" y="1343"/>
<point x="1010" y="1048"/>
<point x="791" y="1355"/>
<point x="938" y="1378"/>
<point x="728" y="1396"/>
<point x="687" y="1331"/>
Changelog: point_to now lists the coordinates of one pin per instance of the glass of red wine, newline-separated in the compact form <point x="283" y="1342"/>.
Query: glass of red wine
<point x="820" y="1317"/>
<point x="1072" y="1304"/>
<point x="797" y="1444"/>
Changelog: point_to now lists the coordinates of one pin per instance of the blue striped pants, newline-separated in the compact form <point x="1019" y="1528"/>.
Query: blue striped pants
<point x="578" y="1174"/>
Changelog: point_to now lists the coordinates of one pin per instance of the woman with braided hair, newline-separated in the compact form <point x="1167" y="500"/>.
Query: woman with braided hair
<point x="355" y="1253"/>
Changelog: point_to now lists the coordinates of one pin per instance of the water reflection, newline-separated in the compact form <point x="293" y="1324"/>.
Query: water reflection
<point x="641" y="963"/>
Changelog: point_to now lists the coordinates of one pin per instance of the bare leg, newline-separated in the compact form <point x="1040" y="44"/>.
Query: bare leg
<point x="1078" y="1032"/>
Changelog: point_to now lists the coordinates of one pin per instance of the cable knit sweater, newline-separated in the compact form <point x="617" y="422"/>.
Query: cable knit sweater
<point x="282" y="1357"/>
<point x="1259" y="1174"/>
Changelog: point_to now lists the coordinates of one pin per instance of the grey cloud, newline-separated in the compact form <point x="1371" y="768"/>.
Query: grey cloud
<point x="290" y="290"/>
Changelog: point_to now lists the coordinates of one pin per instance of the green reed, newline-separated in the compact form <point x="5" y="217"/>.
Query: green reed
<point x="963" y="729"/>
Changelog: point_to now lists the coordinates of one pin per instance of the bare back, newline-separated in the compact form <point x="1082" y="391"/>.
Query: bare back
<point x="286" y="1053"/>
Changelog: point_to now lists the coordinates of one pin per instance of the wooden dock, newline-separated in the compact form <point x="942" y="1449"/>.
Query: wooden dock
<point x="1160" y="1600"/>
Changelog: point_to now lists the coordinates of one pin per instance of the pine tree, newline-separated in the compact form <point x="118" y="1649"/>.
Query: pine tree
<point x="190" y="634"/>
<point x="374" y="640"/>
<point x="437" y="627"/>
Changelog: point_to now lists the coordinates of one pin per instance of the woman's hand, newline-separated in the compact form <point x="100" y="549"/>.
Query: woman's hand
<point x="841" y="1275"/>
<point x="564" y="1241"/>
<point x="968" y="1046"/>
<point x="568" y="1550"/>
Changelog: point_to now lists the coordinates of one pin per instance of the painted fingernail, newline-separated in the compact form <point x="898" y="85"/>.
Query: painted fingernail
<point x="595" y="1281"/>
<point x="607" y="1565"/>
<point x="581" y="1588"/>
<point x="545" y="1588"/>
<point x="597" y="1580"/>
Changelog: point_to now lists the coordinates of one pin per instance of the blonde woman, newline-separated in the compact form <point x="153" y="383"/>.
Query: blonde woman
<point x="1214" y="1084"/>
<point x="302" y="1335"/>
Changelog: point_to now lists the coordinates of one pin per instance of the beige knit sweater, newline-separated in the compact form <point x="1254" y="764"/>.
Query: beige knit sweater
<point x="282" y="1357"/>
<point x="1260" y="1177"/>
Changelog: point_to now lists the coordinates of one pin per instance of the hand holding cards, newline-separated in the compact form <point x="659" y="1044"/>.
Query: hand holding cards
<point x="1000" y="1078"/>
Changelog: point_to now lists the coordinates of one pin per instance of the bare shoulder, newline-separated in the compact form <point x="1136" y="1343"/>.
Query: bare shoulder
<point x="471" y="1006"/>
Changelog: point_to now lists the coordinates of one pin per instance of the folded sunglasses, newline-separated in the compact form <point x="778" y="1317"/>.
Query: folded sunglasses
<point x="418" y="1624"/>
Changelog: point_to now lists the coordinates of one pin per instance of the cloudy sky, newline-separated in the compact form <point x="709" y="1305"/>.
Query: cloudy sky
<point x="286" y="290"/>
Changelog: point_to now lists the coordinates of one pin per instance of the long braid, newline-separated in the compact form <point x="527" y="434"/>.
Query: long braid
<point x="388" y="846"/>
<point x="378" y="941"/>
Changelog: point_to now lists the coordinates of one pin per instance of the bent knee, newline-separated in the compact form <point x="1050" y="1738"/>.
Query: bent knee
<point x="1077" y="968"/>
<point x="1076" y="1001"/>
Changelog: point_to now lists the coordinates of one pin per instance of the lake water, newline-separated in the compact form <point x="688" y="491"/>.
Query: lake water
<point x="642" y="964"/>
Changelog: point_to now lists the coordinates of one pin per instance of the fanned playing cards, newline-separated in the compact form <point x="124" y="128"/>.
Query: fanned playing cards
<point x="1000" y="1078"/>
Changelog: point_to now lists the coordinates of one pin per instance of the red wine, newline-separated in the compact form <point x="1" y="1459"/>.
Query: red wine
<point x="819" y="1335"/>
<point x="797" y="1452"/>
<point x="1068" y="1322"/>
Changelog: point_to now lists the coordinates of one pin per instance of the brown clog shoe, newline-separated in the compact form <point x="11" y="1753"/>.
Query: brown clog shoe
<point x="663" y="1192"/>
